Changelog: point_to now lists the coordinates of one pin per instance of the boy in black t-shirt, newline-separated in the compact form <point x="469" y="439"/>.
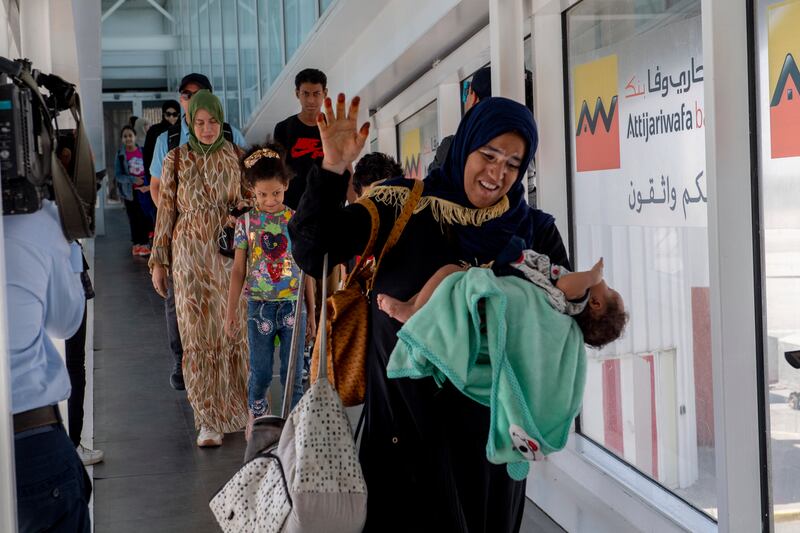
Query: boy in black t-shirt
<point x="299" y="133"/>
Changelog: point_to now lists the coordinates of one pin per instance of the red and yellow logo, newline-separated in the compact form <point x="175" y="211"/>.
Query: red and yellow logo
<point x="784" y="79"/>
<point x="412" y="155"/>
<point x="597" y="113"/>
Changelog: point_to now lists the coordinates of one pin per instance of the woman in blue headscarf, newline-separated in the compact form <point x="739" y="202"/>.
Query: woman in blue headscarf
<point x="423" y="447"/>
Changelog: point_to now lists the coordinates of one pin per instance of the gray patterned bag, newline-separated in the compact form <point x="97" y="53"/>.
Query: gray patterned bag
<point x="255" y="499"/>
<point x="318" y="463"/>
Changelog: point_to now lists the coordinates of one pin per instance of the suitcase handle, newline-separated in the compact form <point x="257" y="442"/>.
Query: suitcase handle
<point x="322" y="371"/>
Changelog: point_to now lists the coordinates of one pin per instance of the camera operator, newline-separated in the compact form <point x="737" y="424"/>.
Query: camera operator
<point x="44" y="208"/>
<point x="45" y="298"/>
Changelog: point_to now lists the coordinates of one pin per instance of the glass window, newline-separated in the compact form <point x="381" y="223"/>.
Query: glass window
<point x="216" y="72"/>
<point x="248" y="56"/>
<point x="465" y="83"/>
<point x="270" y="28"/>
<point x="197" y="64"/>
<point x="417" y="140"/>
<point x="300" y="18"/>
<point x="640" y="202"/>
<point x="528" y="72"/>
<point x="778" y="80"/>
<point x="528" y="53"/>
<point x="203" y="36"/>
<point x="185" y="22"/>
<point x="323" y="5"/>
<point x="230" y="42"/>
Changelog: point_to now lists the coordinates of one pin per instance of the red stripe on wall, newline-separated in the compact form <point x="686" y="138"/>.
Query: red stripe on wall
<point x="612" y="406"/>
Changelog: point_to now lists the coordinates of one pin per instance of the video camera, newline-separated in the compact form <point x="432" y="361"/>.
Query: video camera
<point x="30" y="170"/>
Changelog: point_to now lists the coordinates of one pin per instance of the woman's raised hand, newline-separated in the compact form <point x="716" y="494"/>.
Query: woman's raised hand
<point x="342" y="140"/>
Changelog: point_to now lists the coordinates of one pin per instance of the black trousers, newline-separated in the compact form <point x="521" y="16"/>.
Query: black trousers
<point x="53" y="488"/>
<point x="76" y="367"/>
<point x="173" y="334"/>
<point x="141" y="225"/>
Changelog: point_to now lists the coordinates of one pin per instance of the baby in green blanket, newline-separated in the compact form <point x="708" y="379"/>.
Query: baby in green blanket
<point x="597" y="308"/>
<point x="510" y="347"/>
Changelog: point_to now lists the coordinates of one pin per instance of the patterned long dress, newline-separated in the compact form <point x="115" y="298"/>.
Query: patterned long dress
<point x="191" y="213"/>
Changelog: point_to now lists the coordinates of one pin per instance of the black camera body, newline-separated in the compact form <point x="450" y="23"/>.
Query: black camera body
<point x="24" y="168"/>
<point x="30" y="172"/>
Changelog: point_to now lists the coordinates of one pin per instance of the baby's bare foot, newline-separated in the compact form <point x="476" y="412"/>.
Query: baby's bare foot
<point x="596" y="273"/>
<point x="400" y="311"/>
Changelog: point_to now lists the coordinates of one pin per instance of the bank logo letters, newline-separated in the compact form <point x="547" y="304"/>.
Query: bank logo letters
<point x="597" y="115"/>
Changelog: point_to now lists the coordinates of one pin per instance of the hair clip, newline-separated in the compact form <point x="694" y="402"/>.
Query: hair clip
<point x="253" y="158"/>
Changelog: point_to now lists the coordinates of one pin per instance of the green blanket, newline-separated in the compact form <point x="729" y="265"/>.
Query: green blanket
<point x="500" y="342"/>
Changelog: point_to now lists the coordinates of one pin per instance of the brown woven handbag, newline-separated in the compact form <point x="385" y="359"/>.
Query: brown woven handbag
<point x="348" y="311"/>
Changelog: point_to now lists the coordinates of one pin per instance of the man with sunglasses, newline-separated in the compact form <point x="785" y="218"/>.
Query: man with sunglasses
<point x="170" y="113"/>
<point x="178" y="135"/>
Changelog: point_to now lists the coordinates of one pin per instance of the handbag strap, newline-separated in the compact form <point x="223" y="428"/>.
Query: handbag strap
<point x="399" y="226"/>
<point x="322" y="368"/>
<point x="294" y="345"/>
<point x="373" y="236"/>
<point x="360" y="423"/>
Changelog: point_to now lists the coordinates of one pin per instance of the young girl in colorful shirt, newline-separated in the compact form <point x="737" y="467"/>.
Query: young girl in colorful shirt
<point x="134" y="189"/>
<point x="264" y="265"/>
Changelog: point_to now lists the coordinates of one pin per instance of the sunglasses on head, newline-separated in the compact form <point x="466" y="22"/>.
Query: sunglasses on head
<point x="171" y="113"/>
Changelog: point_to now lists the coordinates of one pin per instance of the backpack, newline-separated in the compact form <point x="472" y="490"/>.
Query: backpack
<point x="174" y="135"/>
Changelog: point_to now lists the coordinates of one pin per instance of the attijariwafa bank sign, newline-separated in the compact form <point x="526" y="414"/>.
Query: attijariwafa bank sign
<point x="638" y="130"/>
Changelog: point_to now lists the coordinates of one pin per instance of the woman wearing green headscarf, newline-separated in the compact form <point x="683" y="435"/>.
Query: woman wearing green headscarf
<point x="200" y="183"/>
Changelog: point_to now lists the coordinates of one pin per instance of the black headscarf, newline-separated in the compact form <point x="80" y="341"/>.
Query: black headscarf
<point x="171" y="104"/>
<point x="488" y="119"/>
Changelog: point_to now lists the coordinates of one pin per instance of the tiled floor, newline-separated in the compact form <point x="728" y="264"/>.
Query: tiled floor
<point x="154" y="478"/>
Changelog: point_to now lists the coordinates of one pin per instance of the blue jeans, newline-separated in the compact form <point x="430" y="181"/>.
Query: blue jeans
<point x="53" y="489"/>
<point x="265" y="320"/>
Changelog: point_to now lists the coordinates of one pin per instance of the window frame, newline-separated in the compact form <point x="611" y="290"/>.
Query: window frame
<point x="739" y="384"/>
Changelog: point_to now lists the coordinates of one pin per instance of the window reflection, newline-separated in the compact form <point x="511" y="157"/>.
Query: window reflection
<point x="270" y="29"/>
<point x="245" y="42"/>
<point x="231" y="63"/>
<point x="204" y="39"/>
<point x="417" y="138"/>
<point x="248" y="56"/>
<point x="217" y="72"/>
<point x="300" y="18"/>
<point x="640" y="201"/>
<point x="778" y="43"/>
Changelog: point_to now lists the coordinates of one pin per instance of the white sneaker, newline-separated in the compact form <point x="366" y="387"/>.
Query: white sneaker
<point x="208" y="438"/>
<point x="89" y="456"/>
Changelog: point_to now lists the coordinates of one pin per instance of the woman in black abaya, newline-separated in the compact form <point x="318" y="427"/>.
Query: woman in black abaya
<point x="423" y="449"/>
